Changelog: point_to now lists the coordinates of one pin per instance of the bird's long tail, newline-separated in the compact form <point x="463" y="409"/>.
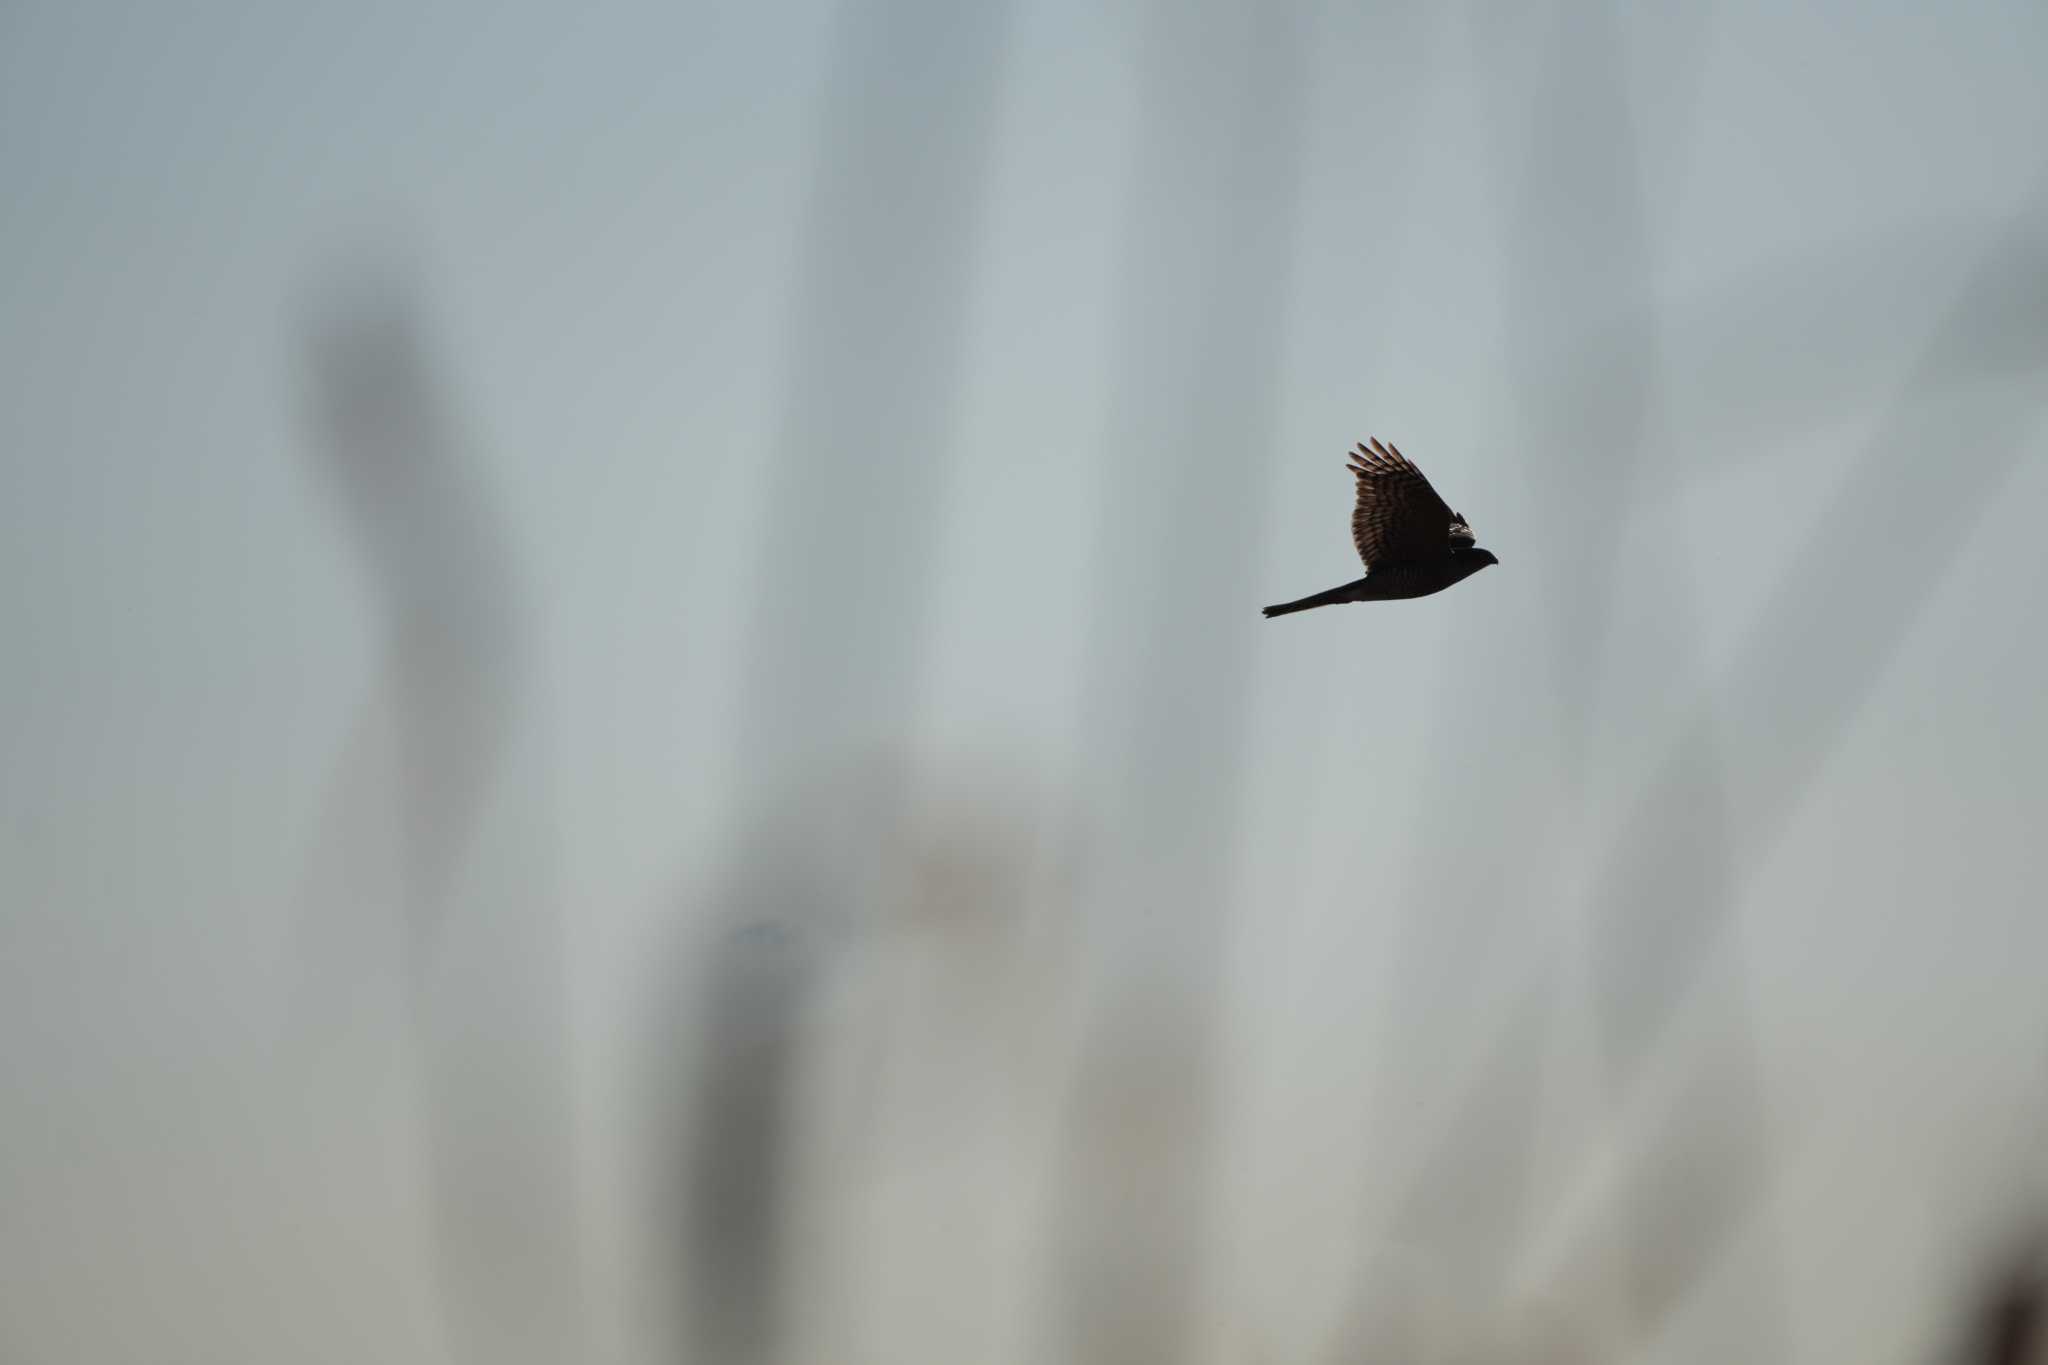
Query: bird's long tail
<point x="1328" y="597"/>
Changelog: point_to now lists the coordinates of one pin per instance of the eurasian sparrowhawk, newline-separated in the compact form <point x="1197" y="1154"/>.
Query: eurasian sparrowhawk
<point x="1412" y="543"/>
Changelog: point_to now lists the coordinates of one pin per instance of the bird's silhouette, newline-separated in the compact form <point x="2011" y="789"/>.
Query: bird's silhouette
<point x="1412" y="543"/>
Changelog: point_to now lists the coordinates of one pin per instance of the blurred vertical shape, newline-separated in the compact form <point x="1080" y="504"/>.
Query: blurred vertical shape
<point x="1207" y="268"/>
<point x="876" y="340"/>
<point x="1817" y="649"/>
<point x="1582" y="244"/>
<point x="1668" y="888"/>
<point x="839" y="618"/>
<point x="2007" y="1323"/>
<point x="1664" y="894"/>
<point x="1577" y="249"/>
<point x="1575" y="244"/>
<point x="1819" y="646"/>
<point x="803" y="885"/>
<point x="437" y="564"/>
<point x="481" y="953"/>
<point x="927" y="1099"/>
<point x="751" y="984"/>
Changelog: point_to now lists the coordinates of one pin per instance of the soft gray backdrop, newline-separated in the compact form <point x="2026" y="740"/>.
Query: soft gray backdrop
<point x="635" y="727"/>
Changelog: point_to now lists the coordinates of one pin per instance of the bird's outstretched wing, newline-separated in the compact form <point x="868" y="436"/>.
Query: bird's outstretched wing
<point x="1399" y="516"/>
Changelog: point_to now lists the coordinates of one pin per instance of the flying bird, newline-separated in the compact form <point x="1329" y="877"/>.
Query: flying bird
<point x="1412" y="543"/>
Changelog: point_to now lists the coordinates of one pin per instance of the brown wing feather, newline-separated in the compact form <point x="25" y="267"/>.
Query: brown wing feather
<point x="1399" y="516"/>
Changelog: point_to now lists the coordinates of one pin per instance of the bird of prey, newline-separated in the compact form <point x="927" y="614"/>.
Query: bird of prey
<point x="1412" y="543"/>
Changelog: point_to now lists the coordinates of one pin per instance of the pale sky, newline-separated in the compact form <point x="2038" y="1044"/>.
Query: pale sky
<point x="1819" y="279"/>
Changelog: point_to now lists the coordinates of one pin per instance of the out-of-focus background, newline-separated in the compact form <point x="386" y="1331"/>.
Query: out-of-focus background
<point x="635" y="726"/>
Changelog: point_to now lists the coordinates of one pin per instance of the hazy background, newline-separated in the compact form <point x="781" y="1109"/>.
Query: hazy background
<point x="635" y="726"/>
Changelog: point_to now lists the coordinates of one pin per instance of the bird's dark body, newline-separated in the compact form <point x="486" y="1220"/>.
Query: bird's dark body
<point x="1394" y="583"/>
<point x="1412" y="543"/>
